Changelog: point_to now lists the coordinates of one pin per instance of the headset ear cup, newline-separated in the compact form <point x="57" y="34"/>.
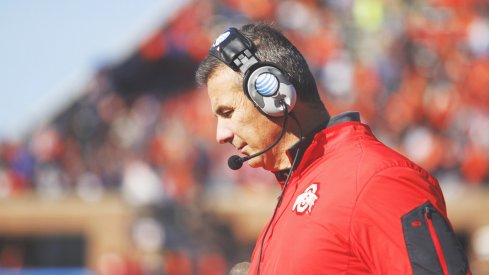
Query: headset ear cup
<point x="268" y="87"/>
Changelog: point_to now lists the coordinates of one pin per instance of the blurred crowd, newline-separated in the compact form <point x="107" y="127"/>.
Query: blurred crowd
<point x="417" y="71"/>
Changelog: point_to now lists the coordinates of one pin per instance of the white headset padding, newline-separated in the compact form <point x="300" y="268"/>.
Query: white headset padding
<point x="270" y="105"/>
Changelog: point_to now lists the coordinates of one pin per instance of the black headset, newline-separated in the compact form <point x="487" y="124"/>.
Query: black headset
<point x="263" y="82"/>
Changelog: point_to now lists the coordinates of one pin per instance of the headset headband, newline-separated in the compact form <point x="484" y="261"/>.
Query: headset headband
<point x="234" y="50"/>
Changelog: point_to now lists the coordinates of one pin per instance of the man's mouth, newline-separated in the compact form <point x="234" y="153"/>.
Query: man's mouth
<point x="240" y="149"/>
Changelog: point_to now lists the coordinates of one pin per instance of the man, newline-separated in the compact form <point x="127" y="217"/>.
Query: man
<point x="349" y="204"/>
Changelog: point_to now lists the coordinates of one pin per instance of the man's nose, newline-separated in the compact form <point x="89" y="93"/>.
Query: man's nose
<point x="224" y="133"/>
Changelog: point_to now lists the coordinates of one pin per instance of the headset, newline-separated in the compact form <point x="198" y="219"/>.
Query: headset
<point x="263" y="82"/>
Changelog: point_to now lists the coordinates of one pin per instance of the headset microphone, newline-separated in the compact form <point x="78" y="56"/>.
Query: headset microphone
<point x="235" y="162"/>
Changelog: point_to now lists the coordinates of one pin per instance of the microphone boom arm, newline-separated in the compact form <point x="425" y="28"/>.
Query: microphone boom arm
<point x="235" y="162"/>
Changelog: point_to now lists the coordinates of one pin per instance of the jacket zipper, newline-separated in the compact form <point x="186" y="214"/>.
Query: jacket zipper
<point x="436" y="241"/>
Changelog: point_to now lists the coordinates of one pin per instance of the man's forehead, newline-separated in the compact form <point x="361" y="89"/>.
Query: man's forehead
<point x="223" y="81"/>
<point x="225" y="91"/>
<point x="223" y="73"/>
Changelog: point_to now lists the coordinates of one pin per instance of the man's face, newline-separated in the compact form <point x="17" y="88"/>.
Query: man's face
<point x="239" y="122"/>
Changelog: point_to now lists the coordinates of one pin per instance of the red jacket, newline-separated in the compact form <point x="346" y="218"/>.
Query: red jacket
<point x="354" y="206"/>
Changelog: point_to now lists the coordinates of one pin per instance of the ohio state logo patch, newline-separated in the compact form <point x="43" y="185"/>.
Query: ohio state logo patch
<point x="306" y="200"/>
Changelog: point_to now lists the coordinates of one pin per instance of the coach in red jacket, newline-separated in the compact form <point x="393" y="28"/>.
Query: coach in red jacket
<point x="349" y="204"/>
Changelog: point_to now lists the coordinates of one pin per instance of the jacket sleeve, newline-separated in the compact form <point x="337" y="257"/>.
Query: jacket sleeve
<point x="399" y="226"/>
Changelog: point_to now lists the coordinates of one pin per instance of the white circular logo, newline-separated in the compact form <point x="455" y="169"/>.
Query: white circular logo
<point x="266" y="84"/>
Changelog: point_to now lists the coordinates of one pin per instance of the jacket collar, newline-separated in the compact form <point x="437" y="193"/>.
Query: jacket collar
<point x="307" y="139"/>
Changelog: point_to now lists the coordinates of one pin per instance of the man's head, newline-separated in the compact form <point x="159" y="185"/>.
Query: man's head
<point x="272" y="47"/>
<point x="239" y="121"/>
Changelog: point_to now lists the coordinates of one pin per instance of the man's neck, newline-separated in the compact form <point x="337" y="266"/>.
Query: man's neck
<point x="309" y="118"/>
<point x="303" y="122"/>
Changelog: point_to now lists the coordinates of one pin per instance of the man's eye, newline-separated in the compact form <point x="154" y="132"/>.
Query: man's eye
<point x="227" y="114"/>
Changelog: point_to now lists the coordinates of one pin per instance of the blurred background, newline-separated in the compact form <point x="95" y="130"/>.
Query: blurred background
<point x="108" y="161"/>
